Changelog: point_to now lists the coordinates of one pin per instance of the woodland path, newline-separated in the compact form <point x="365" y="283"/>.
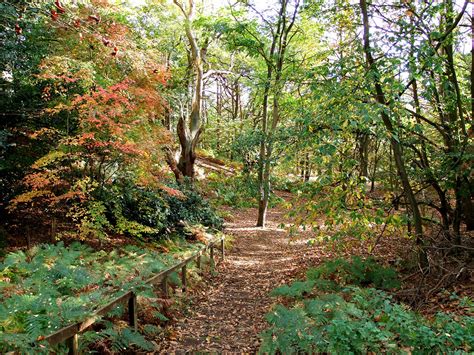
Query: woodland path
<point x="228" y="315"/>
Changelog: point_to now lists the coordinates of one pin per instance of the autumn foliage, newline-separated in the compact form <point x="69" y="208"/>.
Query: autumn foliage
<point x="102" y="114"/>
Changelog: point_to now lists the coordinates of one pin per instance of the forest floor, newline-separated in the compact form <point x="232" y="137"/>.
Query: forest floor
<point x="229" y="314"/>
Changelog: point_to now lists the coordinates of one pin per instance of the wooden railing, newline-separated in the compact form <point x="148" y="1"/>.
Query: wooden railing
<point x="70" y="333"/>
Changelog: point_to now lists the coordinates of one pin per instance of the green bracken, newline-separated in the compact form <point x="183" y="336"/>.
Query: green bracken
<point x="343" y="317"/>
<point x="52" y="286"/>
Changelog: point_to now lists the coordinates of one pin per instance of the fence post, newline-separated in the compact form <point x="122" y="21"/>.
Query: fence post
<point x="164" y="286"/>
<point x="132" y="312"/>
<point x="212" y="257"/>
<point x="222" y="249"/>
<point x="184" y="280"/>
<point x="73" y="345"/>
<point x="198" y="260"/>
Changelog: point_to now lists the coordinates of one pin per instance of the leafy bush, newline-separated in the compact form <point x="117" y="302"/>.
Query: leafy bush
<point x="361" y="321"/>
<point x="148" y="212"/>
<point x="193" y="208"/>
<point x="327" y="317"/>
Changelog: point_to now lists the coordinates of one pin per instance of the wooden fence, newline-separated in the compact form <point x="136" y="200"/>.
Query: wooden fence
<point x="70" y="333"/>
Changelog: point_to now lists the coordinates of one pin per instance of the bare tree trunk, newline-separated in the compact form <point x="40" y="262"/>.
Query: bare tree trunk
<point x="363" y="154"/>
<point x="376" y="161"/>
<point x="455" y="114"/>
<point x="219" y="114"/>
<point x="472" y="67"/>
<point x="167" y="119"/>
<point x="468" y="199"/>
<point x="189" y="128"/>
<point x="262" y="202"/>
<point x="425" y="163"/>
<point x="307" y="172"/>
<point x="275" y="60"/>
<point x="172" y="165"/>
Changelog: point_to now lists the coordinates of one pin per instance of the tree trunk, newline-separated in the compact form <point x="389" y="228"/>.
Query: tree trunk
<point x="374" y="170"/>
<point x="456" y="118"/>
<point x="263" y="202"/>
<point x="218" y="115"/>
<point x="396" y="147"/>
<point x="172" y="165"/>
<point x="363" y="154"/>
<point x="189" y="128"/>
<point x="472" y="67"/>
<point x="307" y="172"/>
<point x="275" y="60"/>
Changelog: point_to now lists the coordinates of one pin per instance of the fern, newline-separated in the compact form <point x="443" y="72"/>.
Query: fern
<point x="296" y="289"/>
<point x="136" y="339"/>
<point x="14" y="259"/>
<point x="357" y="271"/>
<point x="37" y="325"/>
<point x="52" y="286"/>
<point x="327" y="318"/>
<point x="160" y="316"/>
<point x="150" y="329"/>
<point x="289" y="331"/>
<point x="119" y="340"/>
<point x="20" y="343"/>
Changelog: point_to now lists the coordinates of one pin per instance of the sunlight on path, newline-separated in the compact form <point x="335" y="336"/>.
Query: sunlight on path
<point x="253" y="229"/>
<point x="229" y="316"/>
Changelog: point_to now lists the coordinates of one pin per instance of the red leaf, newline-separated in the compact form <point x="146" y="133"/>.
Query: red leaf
<point x="59" y="7"/>
<point x="54" y="15"/>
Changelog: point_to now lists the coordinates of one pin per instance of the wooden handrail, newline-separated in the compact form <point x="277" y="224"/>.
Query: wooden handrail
<point x="69" y="333"/>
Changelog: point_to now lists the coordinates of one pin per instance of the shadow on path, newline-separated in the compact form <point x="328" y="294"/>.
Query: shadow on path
<point x="229" y="315"/>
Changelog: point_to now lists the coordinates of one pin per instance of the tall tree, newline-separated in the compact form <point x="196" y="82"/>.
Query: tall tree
<point x="281" y="36"/>
<point x="190" y="127"/>
<point x="380" y="97"/>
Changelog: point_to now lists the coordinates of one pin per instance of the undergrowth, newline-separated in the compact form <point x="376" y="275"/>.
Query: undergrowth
<point x="51" y="286"/>
<point x="341" y="308"/>
<point x="239" y="191"/>
<point x="139" y="212"/>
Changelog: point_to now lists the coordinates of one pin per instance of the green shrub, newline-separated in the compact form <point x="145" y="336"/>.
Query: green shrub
<point x="364" y="320"/>
<point x="193" y="209"/>
<point x="328" y="316"/>
<point x="357" y="271"/>
<point x="333" y="274"/>
<point x="145" y="212"/>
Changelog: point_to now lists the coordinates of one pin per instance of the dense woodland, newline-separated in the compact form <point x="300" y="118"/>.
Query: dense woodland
<point x="131" y="132"/>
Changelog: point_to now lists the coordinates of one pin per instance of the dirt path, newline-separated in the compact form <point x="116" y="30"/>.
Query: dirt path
<point x="229" y="315"/>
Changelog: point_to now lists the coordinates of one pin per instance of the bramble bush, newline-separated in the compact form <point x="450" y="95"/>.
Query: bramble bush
<point x="332" y="312"/>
